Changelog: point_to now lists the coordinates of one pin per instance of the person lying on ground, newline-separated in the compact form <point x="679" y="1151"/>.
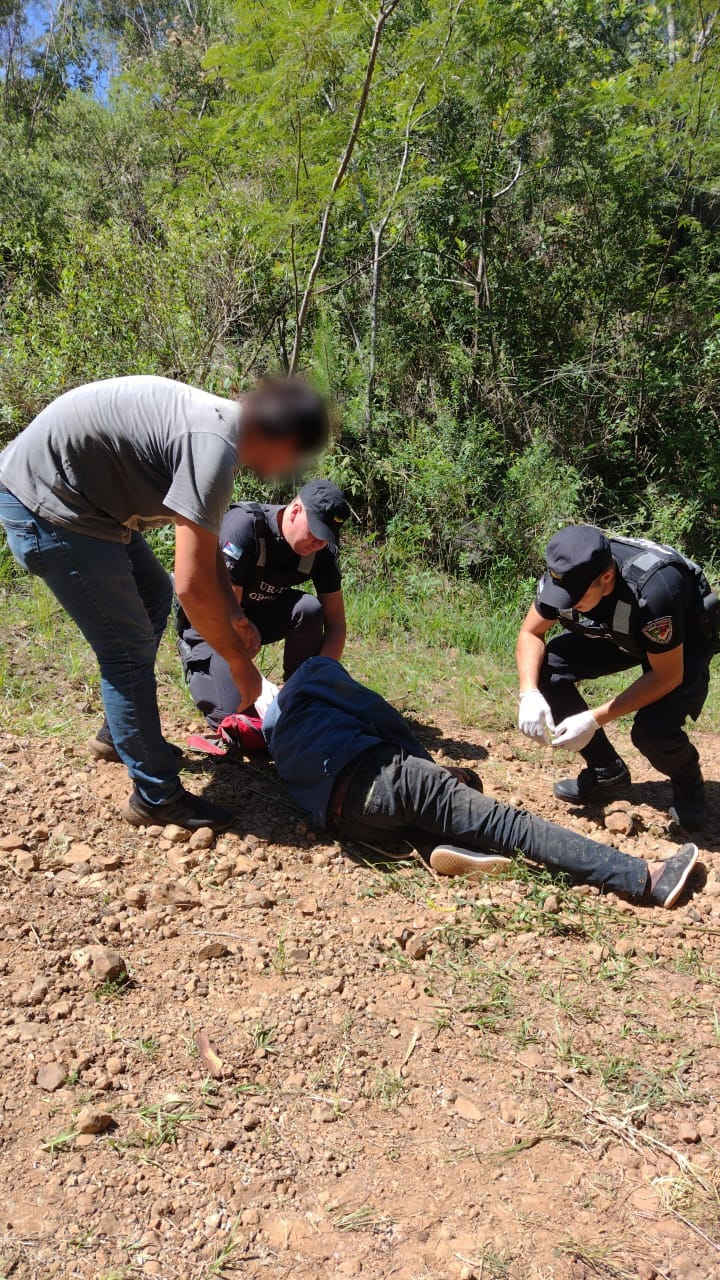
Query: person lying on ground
<point x="107" y="460"/>
<point x="269" y="551"/>
<point x="351" y="763"/>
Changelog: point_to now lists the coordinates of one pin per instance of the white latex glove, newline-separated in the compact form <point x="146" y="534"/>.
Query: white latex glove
<point x="575" y="732"/>
<point x="269" y="692"/>
<point x="535" y="717"/>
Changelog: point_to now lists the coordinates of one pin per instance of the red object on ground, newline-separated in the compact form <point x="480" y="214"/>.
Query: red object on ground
<point x="243" y="731"/>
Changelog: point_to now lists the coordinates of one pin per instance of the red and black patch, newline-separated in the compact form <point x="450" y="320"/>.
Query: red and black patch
<point x="660" y="630"/>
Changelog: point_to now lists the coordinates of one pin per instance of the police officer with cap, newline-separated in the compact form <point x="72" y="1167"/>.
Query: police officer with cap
<point x="622" y="603"/>
<point x="269" y="552"/>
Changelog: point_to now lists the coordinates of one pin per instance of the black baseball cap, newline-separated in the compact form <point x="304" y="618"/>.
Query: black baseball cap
<point x="326" y="509"/>
<point x="575" y="557"/>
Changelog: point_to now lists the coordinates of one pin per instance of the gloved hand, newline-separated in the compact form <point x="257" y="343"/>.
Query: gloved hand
<point x="576" y="731"/>
<point x="535" y="717"/>
<point x="269" y="692"/>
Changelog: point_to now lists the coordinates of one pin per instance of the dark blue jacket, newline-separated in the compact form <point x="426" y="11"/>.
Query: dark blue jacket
<point x="320" y="722"/>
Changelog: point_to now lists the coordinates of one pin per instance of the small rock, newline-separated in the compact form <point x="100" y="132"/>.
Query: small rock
<point x="308" y="906"/>
<point x="625" y="947"/>
<point x="107" y="965"/>
<point x="108" y="861"/>
<point x="505" y="751"/>
<point x="135" y="896"/>
<point x="93" y="1120"/>
<point x="259" y="898"/>
<point x="688" y="1133"/>
<point x="620" y="823"/>
<point x="76" y="854"/>
<point x="176" y="835"/>
<point x="9" y="843"/>
<point x="706" y="1128"/>
<point x="467" y="1109"/>
<point x="508" y="1113"/>
<point x="51" y="1076"/>
<point x="26" y="863"/>
<point x="114" y="1066"/>
<point x="551" y="904"/>
<point x="417" y="946"/>
<point x="324" y="1113"/>
<point x="38" y="991"/>
<point x="531" y="1058"/>
<point x="203" y="838"/>
<point x="212" y="951"/>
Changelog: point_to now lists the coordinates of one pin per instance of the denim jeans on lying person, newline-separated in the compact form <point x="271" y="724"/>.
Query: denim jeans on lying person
<point x="390" y="791"/>
<point x="119" y="595"/>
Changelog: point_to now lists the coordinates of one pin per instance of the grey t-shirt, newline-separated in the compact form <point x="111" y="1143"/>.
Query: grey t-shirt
<point x="127" y="453"/>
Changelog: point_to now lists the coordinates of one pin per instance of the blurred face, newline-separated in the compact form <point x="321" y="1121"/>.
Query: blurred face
<point x="267" y="457"/>
<point x="601" y="587"/>
<point x="297" y="531"/>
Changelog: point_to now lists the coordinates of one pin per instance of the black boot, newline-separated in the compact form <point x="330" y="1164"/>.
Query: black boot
<point x="594" y="783"/>
<point x="183" y="810"/>
<point x="688" y="804"/>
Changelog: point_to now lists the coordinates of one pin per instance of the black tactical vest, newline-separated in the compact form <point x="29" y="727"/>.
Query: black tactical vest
<point x="637" y="560"/>
<point x="261" y="586"/>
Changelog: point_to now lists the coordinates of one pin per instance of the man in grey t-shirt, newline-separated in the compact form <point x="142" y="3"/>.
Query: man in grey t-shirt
<point x="102" y="463"/>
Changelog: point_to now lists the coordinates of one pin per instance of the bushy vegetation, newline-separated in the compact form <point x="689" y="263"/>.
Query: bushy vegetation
<point x="488" y="228"/>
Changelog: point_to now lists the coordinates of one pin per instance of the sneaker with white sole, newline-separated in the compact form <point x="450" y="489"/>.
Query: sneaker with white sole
<point x="451" y="860"/>
<point x="674" y="876"/>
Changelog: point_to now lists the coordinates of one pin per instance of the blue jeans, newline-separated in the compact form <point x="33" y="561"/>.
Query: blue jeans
<point x="120" y="597"/>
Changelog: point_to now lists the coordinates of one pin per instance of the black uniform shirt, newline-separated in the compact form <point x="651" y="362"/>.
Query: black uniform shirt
<point x="669" y="615"/>
<point x="240" y="539"/>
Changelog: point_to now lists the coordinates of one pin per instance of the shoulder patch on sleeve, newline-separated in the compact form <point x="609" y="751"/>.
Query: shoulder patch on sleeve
<point x="231" y="551"/>
<point x="660" y="630"/>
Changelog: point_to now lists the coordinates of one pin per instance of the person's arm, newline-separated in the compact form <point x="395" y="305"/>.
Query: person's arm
<point x="530" y="649"/>
<point x="246" y="629"/>
<point x="335" y="625"/>
<point x="205" y="592"/>
<point x="535" y="717"/>
<point x="665" y="674"/>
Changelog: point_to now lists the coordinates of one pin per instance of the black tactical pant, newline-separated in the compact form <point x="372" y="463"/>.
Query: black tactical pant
<point x="393" y="792"/>
<point x="657" y="730"/>
<point x="295" y="617"/>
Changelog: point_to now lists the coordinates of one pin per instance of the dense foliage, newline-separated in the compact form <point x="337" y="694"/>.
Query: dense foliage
<point x="488" y="227"/>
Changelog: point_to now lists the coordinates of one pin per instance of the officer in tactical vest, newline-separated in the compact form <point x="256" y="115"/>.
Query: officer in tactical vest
<point x="269" y="551"/>
<point x="622" y="603"/>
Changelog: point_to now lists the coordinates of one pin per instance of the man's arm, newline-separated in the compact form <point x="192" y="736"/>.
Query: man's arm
<point x="665" y="674"/>
<point x="205" y="592"/>
<point x="530" y="648"/>
<point x="335" y="624"/>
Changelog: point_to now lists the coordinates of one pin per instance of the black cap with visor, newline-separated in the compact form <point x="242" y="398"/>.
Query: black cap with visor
<point x="575" y="557"/>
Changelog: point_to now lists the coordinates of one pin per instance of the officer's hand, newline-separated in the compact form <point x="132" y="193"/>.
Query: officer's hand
<point x="535" y="717"/>
<point x="249" y="635"/>
<point x="575" y="732"/>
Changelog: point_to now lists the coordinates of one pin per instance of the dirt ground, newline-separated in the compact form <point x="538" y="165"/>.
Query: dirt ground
<point x="399" y="1077"/>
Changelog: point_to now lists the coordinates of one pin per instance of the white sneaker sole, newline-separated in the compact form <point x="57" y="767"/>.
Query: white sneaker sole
<point x="450" y="860"/>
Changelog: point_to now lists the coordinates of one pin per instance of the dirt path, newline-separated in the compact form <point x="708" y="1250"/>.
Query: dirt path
<point x="419" y="1080"/>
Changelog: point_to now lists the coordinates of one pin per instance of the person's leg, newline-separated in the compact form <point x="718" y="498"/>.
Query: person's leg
<point x="93" y="580"/>
<point x="568" y="659"/>
<point x="153" y="583"/>
<point x="658" y="734"/>
<point x="295" y="617"/>
<point x="392" y="791"/>
<point x="211" y="684"/>
<point x="155" y="589"/>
